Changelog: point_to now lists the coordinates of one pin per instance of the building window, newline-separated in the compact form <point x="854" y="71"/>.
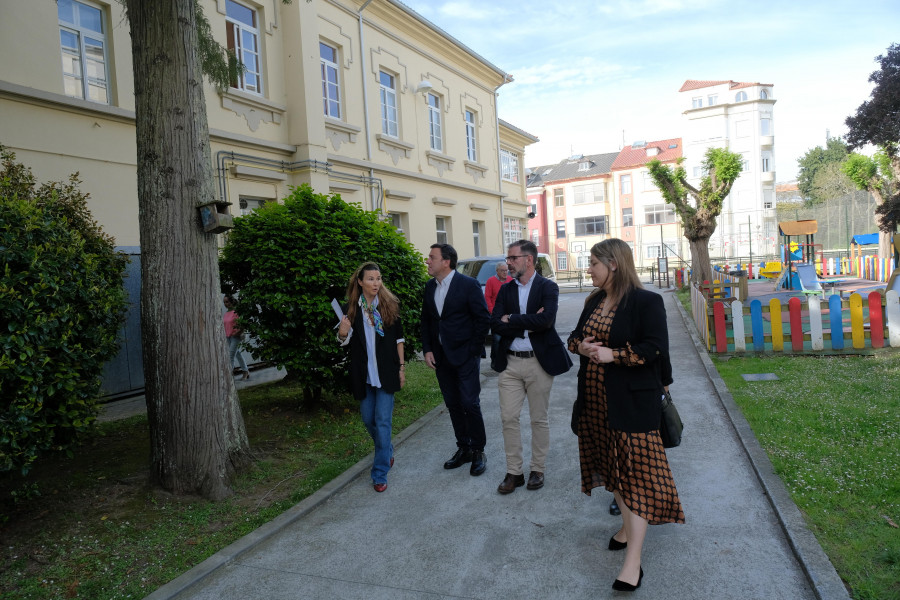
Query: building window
<point x="388" y="95"/>
<point x="591" y="225"/>
<point x="625" y="184"/>
<point x="745" y="162"/>
<point x="584" y="166"/>
<point x="435" y="135"/>
<point x="595" y="192"/>
<point x="331" y="88"/>
<point x="627" y="218"/>
<point x="441" y="230"/>
<point x="476" y="237"/>
<point x="696" y="102"/>
<point x="397" y="221"/>
<point x="559" y="197"/>
<point x="82" y="40"/>
<point x="763" y="95"/>
<point x="560" y="229"/>
<point x="562" y="262"/>
<point x="712" y="100"/>
<point x="659" y="213"/>
<point x="248" y="205"/>
<point x="512" y="230"/>
<point x="509" y="165"/>
<point x="470" y="137"/>
<point x="649" y="184"/>
<point x="740" y="97"/>
<point x="765" y="126"/>
<point x="766" y="162"/>
<point x="583" y="260"/>
<point x="243" y="39"/>
<point x="535" y="237"/>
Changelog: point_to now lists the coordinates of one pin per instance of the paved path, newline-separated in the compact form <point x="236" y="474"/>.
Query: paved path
<point x="437" y="534"/>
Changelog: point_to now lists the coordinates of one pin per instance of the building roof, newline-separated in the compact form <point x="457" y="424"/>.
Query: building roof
<point x="598" y="164"/>
<point x="521" y="132"/>
<point x="636" y="155"/>
<point x="696" y="84"/>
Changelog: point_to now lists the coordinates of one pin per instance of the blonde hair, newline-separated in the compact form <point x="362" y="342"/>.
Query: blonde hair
<point x="388" y="304"/>
<point x="615" y="252"/>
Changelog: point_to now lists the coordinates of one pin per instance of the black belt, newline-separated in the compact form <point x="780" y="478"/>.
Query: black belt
<point x="525" y="354"/>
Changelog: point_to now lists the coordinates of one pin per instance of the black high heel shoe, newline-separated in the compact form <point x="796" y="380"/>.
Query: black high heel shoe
<point x="621" y="586"/>
<point x="615" y="544"/>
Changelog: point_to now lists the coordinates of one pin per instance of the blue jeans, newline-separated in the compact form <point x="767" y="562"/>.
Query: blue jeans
<point x="235" y="351"/>
<point x="377" y="410"/>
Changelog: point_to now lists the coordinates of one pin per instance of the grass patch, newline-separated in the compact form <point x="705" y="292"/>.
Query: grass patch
<point x="90" y="526"/>
<point x="831" y="427"/>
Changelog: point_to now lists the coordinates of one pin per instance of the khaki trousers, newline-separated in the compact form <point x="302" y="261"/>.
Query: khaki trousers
<point x="523" y="378"/>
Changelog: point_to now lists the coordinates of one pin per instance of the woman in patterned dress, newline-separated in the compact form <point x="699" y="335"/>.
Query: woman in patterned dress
<point x="623" y="342"/>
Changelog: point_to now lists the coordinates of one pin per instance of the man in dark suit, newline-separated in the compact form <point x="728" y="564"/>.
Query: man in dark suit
<point x="455" y="321"/>
<point x="530" y="355"/>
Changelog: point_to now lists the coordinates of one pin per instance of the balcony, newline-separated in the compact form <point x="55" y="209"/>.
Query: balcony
<point x="768" y="176"/>
<point x="767" y="140"/>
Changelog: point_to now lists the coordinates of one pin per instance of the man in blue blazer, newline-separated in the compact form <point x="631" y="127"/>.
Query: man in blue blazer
<point x="455" y="322"/>
<point x="529" y="356"/>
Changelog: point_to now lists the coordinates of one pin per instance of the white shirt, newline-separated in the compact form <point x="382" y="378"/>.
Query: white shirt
<point x="523" y="344"/>
<point x="440" y="292"/>
<point x="369" y="331"/>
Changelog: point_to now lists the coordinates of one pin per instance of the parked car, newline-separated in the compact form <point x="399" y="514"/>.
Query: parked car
<point x="483" y="267"/>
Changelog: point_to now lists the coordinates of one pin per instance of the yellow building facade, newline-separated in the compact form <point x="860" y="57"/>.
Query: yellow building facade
<point x="365" y="99"/>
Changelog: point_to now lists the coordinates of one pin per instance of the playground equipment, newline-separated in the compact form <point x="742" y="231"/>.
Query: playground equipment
<point x="808" y="280"/>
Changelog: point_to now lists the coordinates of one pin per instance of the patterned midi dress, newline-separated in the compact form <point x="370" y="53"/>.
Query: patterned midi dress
<point x="634" y="464"/>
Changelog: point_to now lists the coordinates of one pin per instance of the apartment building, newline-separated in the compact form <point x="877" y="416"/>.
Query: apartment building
<point x="649" y="225"/>
<point x="573" y="206"/>
<point x="737" y="116"/>
<point x="366" y="99"/>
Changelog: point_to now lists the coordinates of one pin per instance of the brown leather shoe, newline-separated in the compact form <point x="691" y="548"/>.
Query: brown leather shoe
<point x="510" y="483"/>
<point x="535" y="480"/>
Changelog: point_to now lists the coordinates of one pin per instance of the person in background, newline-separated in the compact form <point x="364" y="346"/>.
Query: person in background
<point x="455" y="321"/>
<point x="622" y="339"/>
<point x="492" y="287"/>
<point x="373" y="330"/>
<point x="234" y="335"/>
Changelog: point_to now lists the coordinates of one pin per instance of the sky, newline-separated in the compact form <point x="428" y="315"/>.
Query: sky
<point x="589" y="74"/>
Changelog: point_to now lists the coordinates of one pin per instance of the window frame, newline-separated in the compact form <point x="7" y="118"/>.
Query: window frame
<point x="623" y="180"/>
<point x="80" y="31"/>
<point x="442" y="234"/>
<point x="234" y="34"/>
<point x="628" y="218"/>
<point x="560" y="228"/>
<point x="712" y="99"/>
<point x="390" y="113"/>
<point x="471" y="139"/>
<point x="435" y="124"/>
<point x="741" y="96"/>
<point x="658" y="214"/>
<point x="598" y="225"/>
<point x="582" y="192"/>
<point x="562" y="261"/>
<point x="509" y="165"/>
<point x="559" y="196"/>
<point x="331" y="105"/>
<point x="697" y="102"/>
<point x="512" y="230"/>
<point x="476" y="237"/>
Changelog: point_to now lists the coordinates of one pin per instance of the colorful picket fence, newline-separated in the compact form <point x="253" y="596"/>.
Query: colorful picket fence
<point x="804" y="325"/>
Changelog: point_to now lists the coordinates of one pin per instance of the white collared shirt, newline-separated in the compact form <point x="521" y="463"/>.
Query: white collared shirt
<point x="524" y="289"/>
<point x="440" y="292"/>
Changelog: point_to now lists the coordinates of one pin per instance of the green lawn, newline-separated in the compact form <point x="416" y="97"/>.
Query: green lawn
<point x="91" y="527"/>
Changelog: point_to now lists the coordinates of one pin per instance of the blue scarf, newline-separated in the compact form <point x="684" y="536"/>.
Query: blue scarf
<point x="372" y="311"/>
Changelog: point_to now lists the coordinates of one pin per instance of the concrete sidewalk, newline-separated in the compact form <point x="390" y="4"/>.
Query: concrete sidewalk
<point x="445" y="534"/>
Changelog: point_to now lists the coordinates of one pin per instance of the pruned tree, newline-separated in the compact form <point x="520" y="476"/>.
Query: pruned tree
<point x="197" y="431"/>
<point x="698" y="207"/>
<point x="877" y="122"/>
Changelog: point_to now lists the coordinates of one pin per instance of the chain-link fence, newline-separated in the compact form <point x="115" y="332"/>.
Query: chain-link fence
<point x="838" y="219"/>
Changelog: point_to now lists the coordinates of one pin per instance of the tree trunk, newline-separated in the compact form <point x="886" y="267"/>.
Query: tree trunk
<point x="701" y="269"/>
<point x="197" y="433"/>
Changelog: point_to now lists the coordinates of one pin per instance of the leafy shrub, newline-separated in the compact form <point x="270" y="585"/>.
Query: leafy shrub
<point x="287" y="261"/>
<point x="61" y="305"/>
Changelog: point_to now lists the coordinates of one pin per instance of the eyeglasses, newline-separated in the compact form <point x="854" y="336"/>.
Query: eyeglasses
<point x="509" y="258"/>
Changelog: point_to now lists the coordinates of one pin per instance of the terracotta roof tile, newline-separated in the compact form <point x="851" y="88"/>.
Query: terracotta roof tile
<point x="631" y="157"/>
<point x="697" y="84"/>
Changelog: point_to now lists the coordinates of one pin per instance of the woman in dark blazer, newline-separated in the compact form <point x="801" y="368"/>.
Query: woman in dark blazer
<point x="374" y="332"/>
<point x="623" y="342"/>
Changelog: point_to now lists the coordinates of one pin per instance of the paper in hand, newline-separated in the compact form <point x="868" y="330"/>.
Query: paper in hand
<point x="337" y="309"/>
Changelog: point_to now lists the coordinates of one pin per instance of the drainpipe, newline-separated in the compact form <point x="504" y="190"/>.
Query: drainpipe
<point x="362" y="51"/>
<point x="506" y="79"/>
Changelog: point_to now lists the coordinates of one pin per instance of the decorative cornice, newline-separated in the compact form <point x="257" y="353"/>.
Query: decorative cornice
<point x="339" y="132"/>
<point x="440" y="161"/>
<point x="254" y="109"/>
<point x="394" y="147"/>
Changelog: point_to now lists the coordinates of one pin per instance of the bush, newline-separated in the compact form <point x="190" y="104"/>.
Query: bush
<point x="61" y="306"/>
<point x="287" y="261"/>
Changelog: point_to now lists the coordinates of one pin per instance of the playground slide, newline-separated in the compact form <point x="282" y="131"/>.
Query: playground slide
<point x="809" y="280"/>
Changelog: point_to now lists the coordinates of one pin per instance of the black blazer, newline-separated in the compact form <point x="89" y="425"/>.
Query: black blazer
<point x="385" y="355"/>
<point x="548" y="348"/>
<point x="457" y="334"/>
<point x="633" y="393"/>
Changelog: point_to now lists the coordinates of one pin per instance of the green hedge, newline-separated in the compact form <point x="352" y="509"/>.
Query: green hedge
<point x="288" y="260"/>
<point x="61" y="306"/>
